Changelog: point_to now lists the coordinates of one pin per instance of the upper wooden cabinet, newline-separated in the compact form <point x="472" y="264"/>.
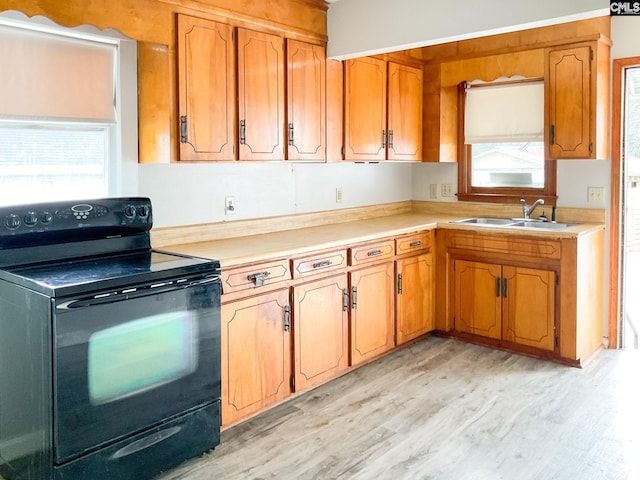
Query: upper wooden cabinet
<point x="383" y="110"/>
<point x="577" y="104"/>
<point x="232" y="94"/>
<point x="207" y="93"/>
<point x="405" y="101"/>
<point x="260" y="95"/>
<point x="306" y="93"/>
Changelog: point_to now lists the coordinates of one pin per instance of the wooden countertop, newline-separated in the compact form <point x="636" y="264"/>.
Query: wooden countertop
<point x="296" y="242"/>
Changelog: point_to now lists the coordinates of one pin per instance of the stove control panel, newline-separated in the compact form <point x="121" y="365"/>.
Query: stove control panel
<point x="110" y="216"/>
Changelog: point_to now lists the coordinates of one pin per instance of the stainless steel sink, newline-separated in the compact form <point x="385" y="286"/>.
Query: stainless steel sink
<point x="541" y="225"/>
<point x="512" y="223"/>
<point x="486" y="221"/>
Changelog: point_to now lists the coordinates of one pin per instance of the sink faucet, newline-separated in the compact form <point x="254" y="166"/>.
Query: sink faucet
<point x="528" y="210"/>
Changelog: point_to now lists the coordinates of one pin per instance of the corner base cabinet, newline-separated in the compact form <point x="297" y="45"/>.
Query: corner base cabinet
<point x="532" y="294"/>
<point x="512" y="304"/>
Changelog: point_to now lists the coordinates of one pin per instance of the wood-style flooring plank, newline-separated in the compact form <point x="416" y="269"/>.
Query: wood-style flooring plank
<point x="443" y="409"/>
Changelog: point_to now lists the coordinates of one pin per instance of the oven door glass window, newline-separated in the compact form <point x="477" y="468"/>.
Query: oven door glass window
<point x="141" y="355"/>
<point x="123" y="366"/>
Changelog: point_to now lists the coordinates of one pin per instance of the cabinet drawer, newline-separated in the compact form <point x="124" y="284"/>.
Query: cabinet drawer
<point x="371" y="252"/>
<point x="416" y="242"/>
<point x="320" y="263"/>
<point x="255" y="276"/>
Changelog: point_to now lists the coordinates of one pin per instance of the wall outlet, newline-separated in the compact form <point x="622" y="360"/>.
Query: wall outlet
<point x="446" y="190"/>
<point x="338" y="195"/>
<point x="229" y="205"/>
<point x="433" y="191"/>
<point x="595" y="195"/>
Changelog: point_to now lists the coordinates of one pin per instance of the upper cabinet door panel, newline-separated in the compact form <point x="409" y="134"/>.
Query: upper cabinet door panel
<point x="570" y="103"/>
<point x="405" y="112"/>
<point x="260" y="95"/>
<point x="365" y="109"/>
<point x="206" y="89"/>
<point x="306" y="65"/>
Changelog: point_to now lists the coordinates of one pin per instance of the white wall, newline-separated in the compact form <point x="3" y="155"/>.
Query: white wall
<point x="364" y="27"/>
<point x="187" y="194"/>
<point x="574" y="177"/>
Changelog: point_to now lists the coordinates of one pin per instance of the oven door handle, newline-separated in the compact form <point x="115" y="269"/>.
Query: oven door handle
<point x="133" y="293"/>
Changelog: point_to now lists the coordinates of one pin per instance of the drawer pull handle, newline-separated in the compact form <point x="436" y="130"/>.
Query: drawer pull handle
<point x="324" y="263"/>
<point x="258" y="278"/>
<point x="373" y="253"/>
<point x="417" y="243"/>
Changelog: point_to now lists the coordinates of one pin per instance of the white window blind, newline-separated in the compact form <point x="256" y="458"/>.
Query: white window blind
<point x="504" y="113"/>
<point x="53" y="77"/>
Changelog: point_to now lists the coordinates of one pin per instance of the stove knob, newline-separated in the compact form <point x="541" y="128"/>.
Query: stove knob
<point x="130" y="211"/>
<point x="12" y="222"/>
<point x="143" y="211"/>
<point x="46" y="218"/>
<point x="30" y="219"/>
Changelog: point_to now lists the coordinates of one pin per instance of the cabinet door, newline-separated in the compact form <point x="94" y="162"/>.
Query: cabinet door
<point x="306" y="78"/>
<point x="528" y="307"/>
<point x="372" y="325"/>
<point x="320" y="319"/>
<point x="415" y="295"/>
<point x="260" y="95"/>
<point x="405" y="113"/>
<point x="207" y="94"/>
<point x="256" y="354"/>
<point x="569" y="103"/>
<point x="477" y="303"/>
<point x="365" y="109"/>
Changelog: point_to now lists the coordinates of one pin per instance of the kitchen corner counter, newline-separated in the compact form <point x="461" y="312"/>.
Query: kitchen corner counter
<point x="294" y="242"/>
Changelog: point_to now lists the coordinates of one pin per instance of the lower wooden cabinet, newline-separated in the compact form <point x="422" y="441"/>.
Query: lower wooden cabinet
<point x="372" y="319"/>
<point x="256" y="354"/>
<point x="289" y="325"/>
<point x="529" y="303"/>
<point x="321" y="331"/>
<point x="510" y="303"/>
<point x="478" y="304"/>
<point x="415" y="297"/>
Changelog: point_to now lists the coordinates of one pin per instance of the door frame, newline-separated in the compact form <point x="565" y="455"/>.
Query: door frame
<point x="615" y="236"/>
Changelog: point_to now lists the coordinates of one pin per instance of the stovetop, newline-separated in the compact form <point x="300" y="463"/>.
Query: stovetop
<point x="100" y="273"/>
<point x="62" y="248"/>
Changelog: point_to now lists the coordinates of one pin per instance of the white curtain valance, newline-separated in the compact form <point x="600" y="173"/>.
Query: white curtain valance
<point x="504" y="113"/>
<point x="56" y="77"/>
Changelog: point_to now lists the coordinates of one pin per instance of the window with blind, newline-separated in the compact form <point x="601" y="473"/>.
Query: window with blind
<point x="501" y="149"/>
<point x="61" y="125"/>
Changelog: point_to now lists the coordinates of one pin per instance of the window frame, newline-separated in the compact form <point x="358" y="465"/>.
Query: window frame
<point x="121" y="164"/>
<point x="468" y="193"/>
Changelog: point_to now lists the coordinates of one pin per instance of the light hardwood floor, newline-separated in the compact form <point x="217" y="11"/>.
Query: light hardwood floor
<point x="443" y="409"/>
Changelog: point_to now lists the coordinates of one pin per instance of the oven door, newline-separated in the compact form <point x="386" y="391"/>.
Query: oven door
<point x="129" y="360"/>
